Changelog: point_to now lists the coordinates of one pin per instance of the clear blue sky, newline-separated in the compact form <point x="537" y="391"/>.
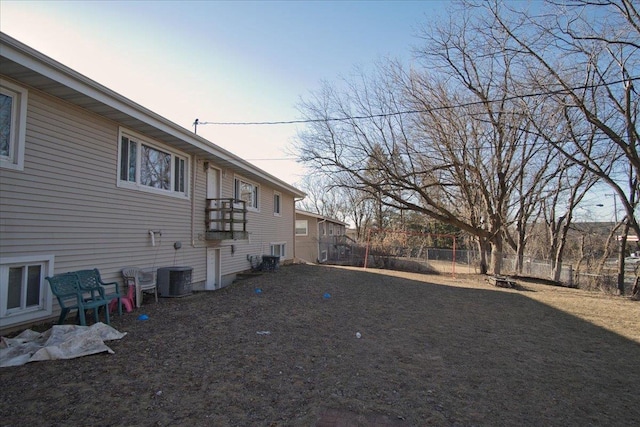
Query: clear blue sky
<point x="228" y="61"/>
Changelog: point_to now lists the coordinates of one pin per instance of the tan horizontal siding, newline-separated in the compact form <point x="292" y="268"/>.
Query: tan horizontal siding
<point x="237" y="261"/>
<point x="66" y="201"/>
<point x="307" y="246"/>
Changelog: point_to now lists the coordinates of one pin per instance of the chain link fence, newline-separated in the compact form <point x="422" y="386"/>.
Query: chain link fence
<point x="447" y="261"/>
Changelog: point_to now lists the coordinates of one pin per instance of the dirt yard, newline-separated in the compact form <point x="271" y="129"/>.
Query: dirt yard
<point x="433" y="351"/>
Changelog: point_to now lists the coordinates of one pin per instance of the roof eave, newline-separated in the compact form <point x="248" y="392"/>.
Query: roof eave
<point x="91" y="95"/>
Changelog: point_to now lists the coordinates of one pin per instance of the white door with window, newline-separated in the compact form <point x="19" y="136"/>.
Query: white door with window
<point x="213" y="269"/>
<point x="213" y="192"/>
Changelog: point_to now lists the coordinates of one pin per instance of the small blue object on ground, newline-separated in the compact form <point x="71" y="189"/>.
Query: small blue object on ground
<point x="143" y="317"/>
<point x="258" y="291"/>
<point x="327" y="295"/>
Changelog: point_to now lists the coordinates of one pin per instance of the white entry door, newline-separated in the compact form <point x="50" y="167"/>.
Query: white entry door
<point x="213" y="269"/>
<point x="213" y="192"/>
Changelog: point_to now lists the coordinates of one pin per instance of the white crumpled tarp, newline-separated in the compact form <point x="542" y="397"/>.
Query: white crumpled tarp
<point x="59" y="342"/>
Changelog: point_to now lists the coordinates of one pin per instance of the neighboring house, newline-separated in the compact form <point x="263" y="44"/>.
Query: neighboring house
<point x="90" y="179"/>
<point x="352" y="233"/>
<point x="320" y="239"/>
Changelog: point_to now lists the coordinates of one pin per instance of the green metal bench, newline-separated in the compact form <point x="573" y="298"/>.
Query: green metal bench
<point x="66" y="287"/>
<point x="91" y="280"/>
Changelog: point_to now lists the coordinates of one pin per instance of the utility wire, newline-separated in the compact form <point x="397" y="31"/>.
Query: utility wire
<point x="425" y="110"/>
<point x="275" y="158"/>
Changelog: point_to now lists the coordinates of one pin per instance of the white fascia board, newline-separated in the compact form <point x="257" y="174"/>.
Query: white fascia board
<point x="318" y="216"/>
<point x="48" y="67"/>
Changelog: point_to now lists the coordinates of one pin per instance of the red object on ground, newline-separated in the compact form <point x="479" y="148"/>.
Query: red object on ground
<point x="127" y="301"/>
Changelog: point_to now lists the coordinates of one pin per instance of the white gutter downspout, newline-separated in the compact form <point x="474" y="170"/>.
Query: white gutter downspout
<point x="193" y="201"/>
<point x="295" y="246"/>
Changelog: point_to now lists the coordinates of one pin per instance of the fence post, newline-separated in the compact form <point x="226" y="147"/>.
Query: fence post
<point x="570" y="281"/>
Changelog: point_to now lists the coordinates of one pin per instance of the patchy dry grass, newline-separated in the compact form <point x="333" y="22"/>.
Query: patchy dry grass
<point x="435" y="350"/>
<point x="620" y="315"/>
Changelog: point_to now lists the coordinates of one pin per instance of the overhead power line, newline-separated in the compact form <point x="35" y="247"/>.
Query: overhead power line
<point x="272" y="159"/>
<point x="398" y="113"/>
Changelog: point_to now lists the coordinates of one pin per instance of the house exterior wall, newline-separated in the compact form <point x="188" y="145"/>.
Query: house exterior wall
<point x="332" y="239"/>
<point x="264" y="228"/>
<point x="307" y="246"/>
<point x="65" y="206"/>
<point x="324" y="240"/>
<point x="65" y="202"/>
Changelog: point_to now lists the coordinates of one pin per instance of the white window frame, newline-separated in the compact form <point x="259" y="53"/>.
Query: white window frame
<point x="330" y="229"/>
<point x="306" y="227"/>
<point x="20" y="95"/>
<point x="136" y="184"/>
<point x="256" y="192"/>
<point x="277" y="204"/>
<point x="44" y="308"/>
<point x="282" y="247"/>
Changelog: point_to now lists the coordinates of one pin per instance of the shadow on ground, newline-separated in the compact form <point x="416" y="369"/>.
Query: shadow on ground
<point x="429" y="354"/>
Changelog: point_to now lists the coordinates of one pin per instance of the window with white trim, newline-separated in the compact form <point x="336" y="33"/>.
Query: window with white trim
<point x="276" y="203"/>
<point x="13" y="119"/>
<point x="149" y="166"/>
<point x="278" y="249"/>
<point x="330" y="229"/>
<point x="302" y="227"/>
<point x="246" y="191"/>
<point x="24" y="292"/>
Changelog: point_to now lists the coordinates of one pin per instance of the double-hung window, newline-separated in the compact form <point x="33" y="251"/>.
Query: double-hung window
<point x="13" y="118"/>
<point x="302" y="227"/>
<point x="276" y="204"/>
<point x="247" y="192"/>
<point x="149" y="166"/>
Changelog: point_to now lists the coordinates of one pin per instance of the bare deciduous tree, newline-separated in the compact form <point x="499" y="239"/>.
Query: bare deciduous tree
<point x="509" y="116"/>
<point x="590" y="50"/>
